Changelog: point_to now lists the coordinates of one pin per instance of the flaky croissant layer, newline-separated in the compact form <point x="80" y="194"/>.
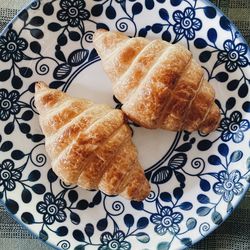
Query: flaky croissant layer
<point x="90" y="144"/>
<point x="159" y="84"/>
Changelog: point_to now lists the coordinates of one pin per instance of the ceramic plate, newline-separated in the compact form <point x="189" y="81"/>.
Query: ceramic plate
<point x="197" y="180"/>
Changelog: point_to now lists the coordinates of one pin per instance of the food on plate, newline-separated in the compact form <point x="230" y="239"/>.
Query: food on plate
<point x="159" y="84"/>
<point x="90" y="144"/>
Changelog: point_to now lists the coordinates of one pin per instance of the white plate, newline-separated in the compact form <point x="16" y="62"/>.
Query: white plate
<point x="197" y="180"/>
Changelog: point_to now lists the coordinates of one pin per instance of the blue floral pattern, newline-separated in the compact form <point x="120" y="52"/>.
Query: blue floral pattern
<point x="233" y="56"/>
<point x="12" y="47"/>
<point x="114" y="242"/>
<point x="167" y="221"/>
<point x="234" y="127"/>
<point x="52" y="209"/>
<point x="62" y="214"/>
<point x="228" y="185"/>
<point x="8" y="104"/>
<point x="8" y="175"/>
<point x="186" y="23"/>
<point x="73" y="11"/>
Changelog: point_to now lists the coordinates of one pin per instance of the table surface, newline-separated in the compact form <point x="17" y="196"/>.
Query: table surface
<point x="234" y="234"/>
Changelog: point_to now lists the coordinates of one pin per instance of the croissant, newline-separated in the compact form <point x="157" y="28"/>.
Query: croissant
<point x="159" y="84"/>
<point x="90" y="144"/>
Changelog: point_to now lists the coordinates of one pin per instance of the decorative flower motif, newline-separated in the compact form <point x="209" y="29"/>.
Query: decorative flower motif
<point x="52" y="209"/>
<point x="73" y="12"/>
<point x="233" y="55"/>
<point x="186" y="23"/>
<point x="8" y="104"/>
<point x="167" y="221"/>
<point x="228" y="185"/>
<point x="114" y="242"/>
<point x="234" y="127"/>
<point x="9" y="175"/>
<point x="11" y="47"/>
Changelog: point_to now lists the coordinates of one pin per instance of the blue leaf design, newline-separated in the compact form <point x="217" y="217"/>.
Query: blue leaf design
<point x="191" y="223"/>
<point x="233" y="85"/>
<point x="39" y="189"/>
<point x="149" y="4"/>
<point x="166" y="35"/>
<point x="27" y="115"/>
<point x="27" y="218"/>
<point x="26" y="195"/>
<point x="180" y="177"/>
<point x="222" y="77"/>
<point x="216" y="218"/>
<point x="36" y="21"/>
<point x="248" y="163"/>
<point x="246" y="107"/>
<point x="102" y="224"/>
<point x="223" y="149"/>
<point x="6" y="146"/>
<point x="236" y="156"/>
<point x="186" y="206"/>
<point x="97" y="10"/>
<point x="17" y="155"/>
<point x="34" y="175"/>
<point x="164" y="14"/>
<point x="37" y="33"/>
<point x="230" y="103"/>
<point x="178" y="161"/>
<point x="75" y="218"/>
<point x="48" y="9"/>
<point x="73" y="196"/>
<point x="212" y="35"/>
<point x="24" y="15"/>
<point x="210" y="12"/>
<point x="165" y="196"/>
<point x="178" y="193"/>
<point x="16" y="82"/>
<point x="89" y="230"/>
<point x="5" y="75"/>
<point x="137" y="8"/>
<point x="157" y="28"/>
<point x="26" y="72"/>
<point x="138" y="205"/>
<point x="77" y="57"/>
<point x="97" y="198"/>
<point x="9" y="127"/>
<point x="142" y="237"/>
<point x="54" y="26"/>
<point x="162" y="175"/>
<point x="203" y="211"/>
<point x="12" y="206"/>
<point x="243" y="90"/>
<point x="62" y="71"/>
<point x="78" y="235"/>
<point x="74" y="36"/>
<point x="176" y="2"/>
<point x="129" y="220"/>
<point x="205" y="185"/>
<point x="203" y="199"/>
<point x="200" y="43"/>
<point x="62" y="231"/>
<point x="52" y="177"/>
<point x="43" y="235"/>
<point x="204" y="145"/>
<point x="142" y="223"/>
<point x="205" y="56"/>
<point x="164" y="245"/>
<point x="82" y="205"/>
<point x="187" y="242"/>
<point x="110" y="12"/>
<point x="214" y="160"/>
<point x="225" y="23"/>
<point x="184" y="147"/>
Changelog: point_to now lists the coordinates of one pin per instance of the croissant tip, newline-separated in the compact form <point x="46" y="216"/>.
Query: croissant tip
<point x="98" y="33"/>
<point x="40" y="85"/>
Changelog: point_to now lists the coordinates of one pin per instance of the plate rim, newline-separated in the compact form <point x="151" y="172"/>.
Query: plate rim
<point x="195" y="240"/>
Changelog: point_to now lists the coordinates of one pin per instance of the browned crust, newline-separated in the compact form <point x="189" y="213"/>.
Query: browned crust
<point x="89" y="144"/>
<point x="162" y="87"/>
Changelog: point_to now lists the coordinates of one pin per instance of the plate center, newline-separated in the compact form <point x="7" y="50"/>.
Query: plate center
<point x="92" y="83"/>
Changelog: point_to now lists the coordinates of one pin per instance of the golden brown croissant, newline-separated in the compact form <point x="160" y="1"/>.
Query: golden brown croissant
<point x="159" y="84"/>
<point x="90" y="144"/>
